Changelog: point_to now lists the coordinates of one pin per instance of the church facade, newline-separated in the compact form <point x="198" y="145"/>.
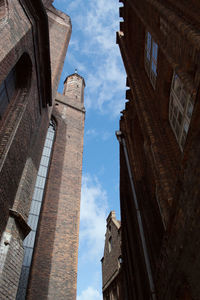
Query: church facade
<point x="41" y="145"/>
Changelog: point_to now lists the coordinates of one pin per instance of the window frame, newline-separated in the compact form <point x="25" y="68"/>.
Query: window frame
<point x="151" y="58"/>
<point x="181" y="106"/>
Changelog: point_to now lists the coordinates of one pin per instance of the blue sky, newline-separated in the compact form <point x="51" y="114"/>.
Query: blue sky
<point x="93" y="51"/>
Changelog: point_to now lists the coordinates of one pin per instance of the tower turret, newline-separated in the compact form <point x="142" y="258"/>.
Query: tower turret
<point x="74" y="88"/>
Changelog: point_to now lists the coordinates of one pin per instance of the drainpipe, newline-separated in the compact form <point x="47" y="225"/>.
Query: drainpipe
<point x="122" y="141"/>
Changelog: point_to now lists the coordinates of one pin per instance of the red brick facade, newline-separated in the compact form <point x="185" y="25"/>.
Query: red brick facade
<point x="112" y="279"/>
<point x="165" y="175"/>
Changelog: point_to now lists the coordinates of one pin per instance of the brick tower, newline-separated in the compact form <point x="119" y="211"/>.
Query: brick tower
<point x="54" y="266"/>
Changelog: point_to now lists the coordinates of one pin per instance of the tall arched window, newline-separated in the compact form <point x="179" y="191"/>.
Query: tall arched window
<point x="34" y="213"/>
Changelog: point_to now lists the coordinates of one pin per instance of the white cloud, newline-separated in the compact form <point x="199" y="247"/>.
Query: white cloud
<point x="90" y="294"/>
<point x="92" y="218"/>
<point x="91" y="132"/>
<point x="108" y="79"/>
<point x="96" y="23"/>
<point x="77" y="64"/>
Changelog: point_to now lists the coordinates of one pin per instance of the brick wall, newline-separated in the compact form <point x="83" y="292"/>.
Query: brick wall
<point x="54" y="267"/>
<point x="60" y="32"/>
<point x="22" y="133"/>
<point x="165" y="177"/>
<point x="112" y="281"/>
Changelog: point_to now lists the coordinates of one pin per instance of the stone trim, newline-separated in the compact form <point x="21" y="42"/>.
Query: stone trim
<point x="25" y="228"/>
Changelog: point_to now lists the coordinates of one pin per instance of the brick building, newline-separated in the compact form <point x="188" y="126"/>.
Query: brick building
<point x="41" y="144"/>
<point x="159" y="148"/>
<point x="112" y="278"/>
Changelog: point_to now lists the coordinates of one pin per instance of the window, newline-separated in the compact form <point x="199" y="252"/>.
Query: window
<point x="34" y="212"/>
<point x="17" y="81"/>
<point x="110" y="244"/>
<point x="7" y="90"/>
<point x="180" y="110"/>
<point x="150" y="58"/>
<point x="119" y="261"/>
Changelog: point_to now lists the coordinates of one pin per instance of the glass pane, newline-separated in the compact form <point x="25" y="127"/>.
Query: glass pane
<point x="190" y="110"/>
<point x="50" y="134"/>
<point x="42" y="171"/>
<point x="27" y="256"/>
<point x="183" y="98"/>
<point x="40" y="182"/>
<point x="180" y="117"/>
<point x="29" y="240"/>
<point x="148" y="42"/>
<point x="175" y="109"/>
<point x="32" y="221"/>
<point x="38" y="194"/>
<point x="48" y="143"/>
<point x="177" y="85"/>
<point x="177" y="130"/>
<point x="148" y="55"/>
<point x="44" y="161"/>
<point x="153" y="67"/>
<point x="35" y="207"/>
<point x="46" y="151"/>
<point x="155" y="52"/>
<point x="21" y="293"/>
<point x="186" y="127"/>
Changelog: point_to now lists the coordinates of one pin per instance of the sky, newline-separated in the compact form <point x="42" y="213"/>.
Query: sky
<point x="94" y="53"/>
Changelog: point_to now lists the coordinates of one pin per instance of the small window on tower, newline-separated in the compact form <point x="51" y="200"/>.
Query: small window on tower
<point x="119" y="261"/>
<point x="150" y="58"/>
<point x="110" y="244"/>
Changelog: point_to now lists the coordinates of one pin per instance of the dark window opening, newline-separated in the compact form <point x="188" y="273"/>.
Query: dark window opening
<point x="110" y="244"/>
<point x="17" y="79"/>
<point x="7" y="90"/>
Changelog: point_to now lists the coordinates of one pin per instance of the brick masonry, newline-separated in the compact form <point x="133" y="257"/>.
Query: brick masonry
<point x="166" y="179"/>
<point x="54" y="267"/>
<point x="24" y="125"/>
<point x="112" y="279"/>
